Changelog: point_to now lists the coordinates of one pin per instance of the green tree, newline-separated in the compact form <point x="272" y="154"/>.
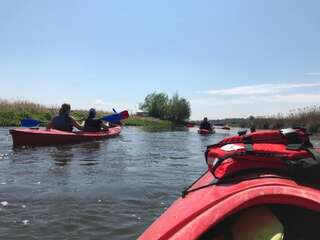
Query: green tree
<point x="160" y="106"/>
<point x="156" y="104"/>
<point x="179" y="109"/>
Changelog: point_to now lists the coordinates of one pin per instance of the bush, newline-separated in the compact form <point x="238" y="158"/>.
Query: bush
<point x="156" y="104"/>
<point x="159" y="105"/>
<point x="179" y="109"/>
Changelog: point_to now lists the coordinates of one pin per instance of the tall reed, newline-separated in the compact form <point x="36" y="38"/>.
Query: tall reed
<point x="308" y="117"/>
<point x="11" y="112"/>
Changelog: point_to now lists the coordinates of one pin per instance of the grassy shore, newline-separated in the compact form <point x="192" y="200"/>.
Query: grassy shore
<point x="11" y="114"/>
<point x="308" y="118"/>
<point x="146" y="121"/>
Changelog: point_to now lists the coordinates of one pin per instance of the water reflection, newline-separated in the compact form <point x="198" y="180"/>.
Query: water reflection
<point x="90" y="152"/>
<point x="164" y="129"/>
<point x="62" y="155"/>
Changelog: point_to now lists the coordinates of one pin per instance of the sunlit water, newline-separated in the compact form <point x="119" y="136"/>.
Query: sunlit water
<point x="111" y="189"/>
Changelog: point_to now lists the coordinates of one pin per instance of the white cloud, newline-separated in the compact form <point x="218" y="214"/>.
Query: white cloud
<point x="313" y="74"/>
<point x="261" y="89"/>
<point x="104" y="105"/>
<point x="289" y="98"/>
<point x="100" y="104"/>
<point x="243" y="106"/>
<point x="284" y="98"/>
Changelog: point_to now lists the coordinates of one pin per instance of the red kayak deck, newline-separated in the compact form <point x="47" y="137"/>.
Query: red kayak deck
<point x="199" y="211"/>
<point x="205" y="131"/>
<point x="36" y="137"/>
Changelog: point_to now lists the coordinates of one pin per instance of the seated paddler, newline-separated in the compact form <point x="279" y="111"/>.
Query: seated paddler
<point x="92" y="124"/>
<point x="64" y="121"/>
<point x="205" y="124"/>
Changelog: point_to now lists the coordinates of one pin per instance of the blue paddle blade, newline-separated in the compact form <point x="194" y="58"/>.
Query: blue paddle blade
<point x="29" y="122"/>
<point x="114" y="118"/>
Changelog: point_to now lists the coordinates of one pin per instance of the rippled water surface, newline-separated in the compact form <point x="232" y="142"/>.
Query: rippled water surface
<point x="111" y="189"/>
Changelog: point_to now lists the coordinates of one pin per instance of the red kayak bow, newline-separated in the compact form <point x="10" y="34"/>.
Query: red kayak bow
<point x="36" y="137"/>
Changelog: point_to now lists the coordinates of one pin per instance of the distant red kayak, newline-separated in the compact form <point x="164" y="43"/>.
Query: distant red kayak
<point x="205" y="131"/>
<point x="35" y="137"/>
<point x="226" y="128"/>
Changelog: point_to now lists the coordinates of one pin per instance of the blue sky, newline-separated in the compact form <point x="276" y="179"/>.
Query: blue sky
<point x="228" y="58"/>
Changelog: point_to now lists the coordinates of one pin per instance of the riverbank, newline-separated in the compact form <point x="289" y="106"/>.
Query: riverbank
<point x="146" y="121"/>
<point x="308" y="118"/>
<point x="11" y="114"/>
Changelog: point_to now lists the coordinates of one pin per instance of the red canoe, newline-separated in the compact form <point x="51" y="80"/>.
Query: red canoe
<point x="226" y="128"/>
<point x="203" y="209"/>
<point x="36" y="137"/>
<point x="205" y="131"/>
<point x="256" y="175"/>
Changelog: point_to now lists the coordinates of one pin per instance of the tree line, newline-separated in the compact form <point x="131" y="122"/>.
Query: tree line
<point x="159" y="105"/>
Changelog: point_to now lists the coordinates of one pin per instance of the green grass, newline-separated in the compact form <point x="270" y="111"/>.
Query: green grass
<point x="11" y="114"/>
<point x="147" y="121"/>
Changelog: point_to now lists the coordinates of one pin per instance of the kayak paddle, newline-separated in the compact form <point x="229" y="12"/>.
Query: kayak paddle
<point x="113" y="118"/>
<point x="117" y="117"/>
<point x="29" y="122"/>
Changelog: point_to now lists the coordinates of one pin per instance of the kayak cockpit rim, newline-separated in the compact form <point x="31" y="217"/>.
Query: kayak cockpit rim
<point x="247" y="175"/>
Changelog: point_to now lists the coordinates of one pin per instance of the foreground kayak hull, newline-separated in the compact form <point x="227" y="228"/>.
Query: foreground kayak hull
<point x="201" y="210"/>
<point x="35" y="137"/>
<point x="205" y="132"/>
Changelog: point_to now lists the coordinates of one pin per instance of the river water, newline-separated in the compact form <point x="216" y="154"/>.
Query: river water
<point x="111" y="189"/>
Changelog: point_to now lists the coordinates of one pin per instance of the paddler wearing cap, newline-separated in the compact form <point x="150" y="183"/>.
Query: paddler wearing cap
<point x="92" y="124"/>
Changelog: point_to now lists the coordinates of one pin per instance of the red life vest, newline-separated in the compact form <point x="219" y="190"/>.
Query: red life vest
<point x="287" y="150"/>
<point x="283" y="136"/>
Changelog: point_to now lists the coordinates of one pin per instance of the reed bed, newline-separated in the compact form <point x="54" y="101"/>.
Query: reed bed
<point x="11" y="112"/>
<point x="308" y="117"/>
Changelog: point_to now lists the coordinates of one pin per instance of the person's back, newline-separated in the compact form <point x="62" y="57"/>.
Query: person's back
<point x="62" y="122"/>
<point x="205" y="125"/>
<point x="93" y="125"/>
